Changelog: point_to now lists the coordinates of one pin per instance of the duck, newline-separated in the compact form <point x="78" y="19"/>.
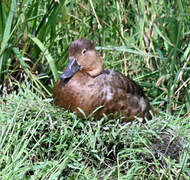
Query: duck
<point x="86" y="89"/>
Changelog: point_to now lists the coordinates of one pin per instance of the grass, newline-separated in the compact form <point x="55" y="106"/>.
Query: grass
<point x="146" y="40"/>
<point x="41" y="141"/>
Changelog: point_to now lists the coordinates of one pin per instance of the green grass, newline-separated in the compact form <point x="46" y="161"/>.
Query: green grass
<point x="39" y="140"/>
<point x="147" y="40"/>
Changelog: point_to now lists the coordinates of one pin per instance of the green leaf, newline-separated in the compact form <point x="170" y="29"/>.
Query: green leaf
<point x="48" y="57"/>
<point x="7" y="31"/>
<point x="23" y="64"/>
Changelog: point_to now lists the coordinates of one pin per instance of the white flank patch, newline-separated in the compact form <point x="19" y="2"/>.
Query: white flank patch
<point x="142" y="104"/>
<point x="109" y="94"/>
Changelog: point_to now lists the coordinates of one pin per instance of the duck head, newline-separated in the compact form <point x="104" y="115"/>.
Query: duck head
<point x="82" y="57"/>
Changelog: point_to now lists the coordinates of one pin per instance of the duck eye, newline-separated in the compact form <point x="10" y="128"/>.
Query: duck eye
<point x="83" y="51"/>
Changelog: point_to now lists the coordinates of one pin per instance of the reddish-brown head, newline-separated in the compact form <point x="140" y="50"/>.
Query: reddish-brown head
<point x="86" y="56"/>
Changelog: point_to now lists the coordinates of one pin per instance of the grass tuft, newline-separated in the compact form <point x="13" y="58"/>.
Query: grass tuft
<point x="39" y="140"/>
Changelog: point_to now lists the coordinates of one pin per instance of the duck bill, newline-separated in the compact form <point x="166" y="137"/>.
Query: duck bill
<point x="71" y="68"/>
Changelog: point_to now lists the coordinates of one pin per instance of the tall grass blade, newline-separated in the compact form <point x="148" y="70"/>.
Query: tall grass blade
<point x="48" y="57"/>
<point x="28" y="72"/>
<point x="7" y="31"/>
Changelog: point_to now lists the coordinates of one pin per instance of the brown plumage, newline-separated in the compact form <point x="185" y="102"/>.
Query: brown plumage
<point x="85" y="85"/>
